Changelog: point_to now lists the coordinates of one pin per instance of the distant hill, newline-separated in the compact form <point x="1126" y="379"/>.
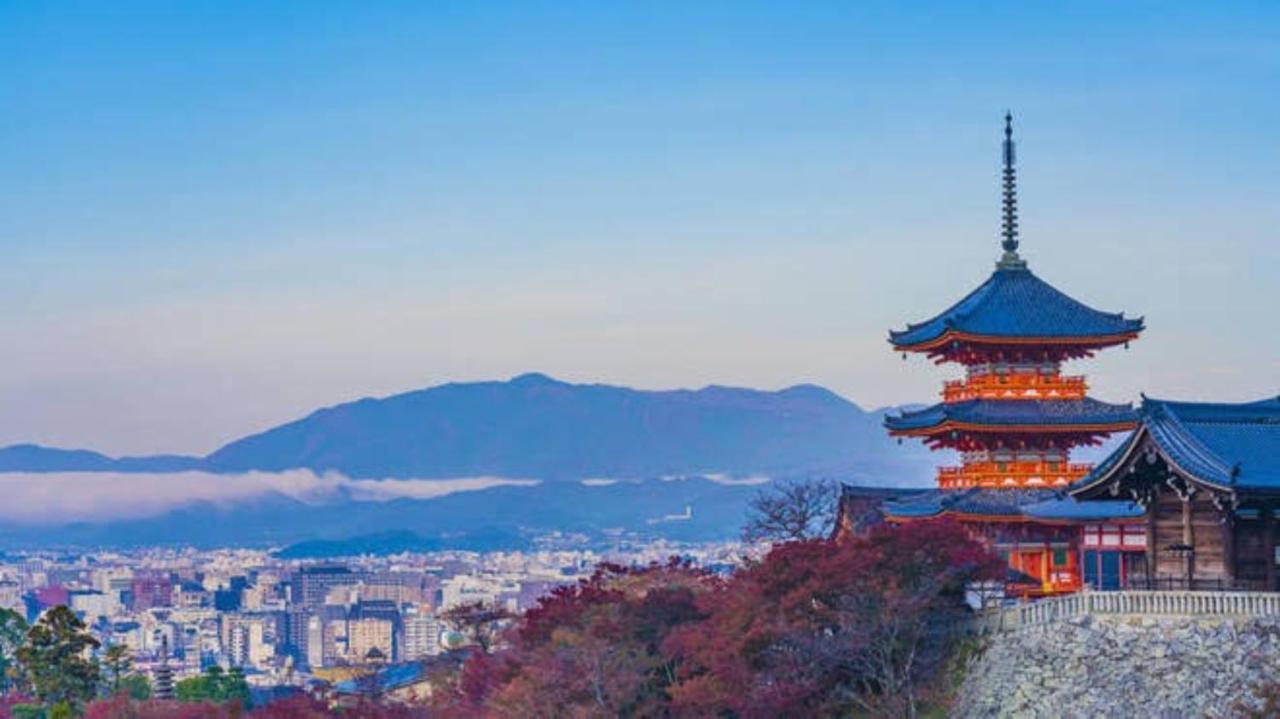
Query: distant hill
<point x="496" y="518"/>
<point x="537" y="427"/>
<point x="609" y="459"/>
<point x="34" y="458"/>
<point x="398" y="542"/>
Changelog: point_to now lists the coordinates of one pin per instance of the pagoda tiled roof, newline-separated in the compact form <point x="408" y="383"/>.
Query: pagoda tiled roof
<point x="1012" y="413"/>
<point x="1224" y="445"/>
<point x="1042" y="504"/>
<point x="1014" y="303"/>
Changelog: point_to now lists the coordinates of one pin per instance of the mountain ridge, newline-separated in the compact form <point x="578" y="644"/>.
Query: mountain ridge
<point x="536" y="426"/>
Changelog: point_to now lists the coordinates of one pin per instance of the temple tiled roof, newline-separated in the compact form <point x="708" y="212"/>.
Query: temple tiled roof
<point x="1045" y="504"/>
<point x="387" y="679"/>
<point x="1061" y="507"/>
<point x="984" y="502"/>
<point x="1012" y="413"/>
<point x="1227" y="445"/>
<point x="862" y="491"/>
<point x="1014" y="303"/>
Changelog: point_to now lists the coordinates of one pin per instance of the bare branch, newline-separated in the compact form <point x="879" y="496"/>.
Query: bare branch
<point x="792" y="511"/>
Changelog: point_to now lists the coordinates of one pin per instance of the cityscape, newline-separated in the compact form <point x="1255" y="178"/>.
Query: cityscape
<point x="290" y="624"/>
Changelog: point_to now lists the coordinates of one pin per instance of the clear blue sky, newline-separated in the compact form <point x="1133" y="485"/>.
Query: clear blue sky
<point x="216" y="216"/>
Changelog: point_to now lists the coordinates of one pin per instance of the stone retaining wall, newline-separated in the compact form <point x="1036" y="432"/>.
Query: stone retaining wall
<point x="1122" y="666"/>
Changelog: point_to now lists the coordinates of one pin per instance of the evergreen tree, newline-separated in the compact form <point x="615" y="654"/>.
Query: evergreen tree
<point x="13" y="629"/>
<point x="135" y="686"/>
<point x="118" y="662"/>
<point x="214" y="685"/>
<point x="55" y="659"/>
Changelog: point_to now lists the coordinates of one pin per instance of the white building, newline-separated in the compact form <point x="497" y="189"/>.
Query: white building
<point x="421" y="636"/>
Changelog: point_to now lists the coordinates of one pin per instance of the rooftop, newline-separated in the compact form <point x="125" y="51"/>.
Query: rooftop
<point x="1014" y="304"/>
<point x="1034" y="504"/>
<point x="1014" y="415"/>
<point x="1226" y="445"/>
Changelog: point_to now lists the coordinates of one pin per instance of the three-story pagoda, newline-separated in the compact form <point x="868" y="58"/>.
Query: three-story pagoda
<point x="1014" y="417"/>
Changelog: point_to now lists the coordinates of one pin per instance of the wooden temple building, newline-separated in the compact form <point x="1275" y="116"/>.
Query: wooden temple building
<point x="1208" y="479"/>
<point x="1014" y="419"/>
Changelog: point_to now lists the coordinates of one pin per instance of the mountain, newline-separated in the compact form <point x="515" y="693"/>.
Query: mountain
<point x="678" y="464"/>
<point x="692" y="509"/>
<point x="538" y="427"/>
<point x="534" y="426"/>
<point x="34" y="458"/>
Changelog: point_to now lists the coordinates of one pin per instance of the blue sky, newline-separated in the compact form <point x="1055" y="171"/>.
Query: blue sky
<point x="218" y="216"/>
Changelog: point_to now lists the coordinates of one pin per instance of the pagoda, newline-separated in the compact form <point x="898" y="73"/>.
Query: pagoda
<point x="1015" y="417"/>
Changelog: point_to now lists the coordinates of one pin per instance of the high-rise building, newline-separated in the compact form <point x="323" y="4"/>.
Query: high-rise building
<point x="421" y="636"/>
<point x="313" y="584"/>
<point x="366" y="635"/>
<point x="151" y="592"/>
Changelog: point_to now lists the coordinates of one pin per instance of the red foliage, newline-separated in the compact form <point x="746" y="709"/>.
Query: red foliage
<point x="826" y="627"/>
<point x="121" y="707"/>
<point x="815" y="628"/>
<point x="586" y="650"/>
<point x="7" y="701"/>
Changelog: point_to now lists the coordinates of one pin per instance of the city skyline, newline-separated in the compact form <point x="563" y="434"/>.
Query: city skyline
<point x="218" y="221"/>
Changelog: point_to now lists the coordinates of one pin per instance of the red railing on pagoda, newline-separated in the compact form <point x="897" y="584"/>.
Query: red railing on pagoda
<point x="1014" y="386"/>
<point x="1009" y="475"/>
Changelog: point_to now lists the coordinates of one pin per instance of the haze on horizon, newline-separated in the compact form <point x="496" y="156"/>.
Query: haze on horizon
<point x="219" y="217"/>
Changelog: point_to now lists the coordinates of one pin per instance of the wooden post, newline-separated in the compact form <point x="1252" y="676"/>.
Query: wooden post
<point x="1189" y="539"/>
<point x="1228" y="546"/>
<point x="1152" y="507"/>
<point x="1269" y="543"/>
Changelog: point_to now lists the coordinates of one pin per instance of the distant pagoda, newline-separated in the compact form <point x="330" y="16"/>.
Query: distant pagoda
<point x="162" y="686"/>
<point x="1014" y="417"/>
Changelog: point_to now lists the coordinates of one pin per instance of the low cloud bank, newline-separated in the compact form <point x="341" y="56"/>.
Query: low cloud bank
<point x="65" y="497"/>
<point x="720" y="478"/>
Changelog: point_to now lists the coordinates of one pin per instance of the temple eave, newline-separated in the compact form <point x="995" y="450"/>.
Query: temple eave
<point x="944" y="427"/>
<point x="1081" y="344"/>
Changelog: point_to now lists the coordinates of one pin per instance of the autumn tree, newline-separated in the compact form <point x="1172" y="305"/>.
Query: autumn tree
<point x="55" y="659"/>
<point x="831" y="628"/>
<point x="479" y="622"/>
<point x="592" y="649"/>
<point x="792" y="511"/>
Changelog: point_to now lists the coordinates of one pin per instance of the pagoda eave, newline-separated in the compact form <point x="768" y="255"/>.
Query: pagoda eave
<point x="965" y="437"/>
<point x="951" y="344"/>
<point x="953" y="426"/>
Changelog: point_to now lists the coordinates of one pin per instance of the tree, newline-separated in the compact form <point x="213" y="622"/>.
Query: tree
<point x="55" y="658"/>
<point x="135" y="686"/>
<point x="832" y="628"/>
<point x="592" y="649"/>
<point x="480" y="622"/>
<point x="792" y="511"/>
<point x="122" y="707"/>
<point x="13" y="629"/>
<point x="117" y="661"/>
<point x="215" y="685"/>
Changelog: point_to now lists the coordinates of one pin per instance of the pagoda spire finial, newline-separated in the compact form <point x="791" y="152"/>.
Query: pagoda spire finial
<point x="1009" y="224"/>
